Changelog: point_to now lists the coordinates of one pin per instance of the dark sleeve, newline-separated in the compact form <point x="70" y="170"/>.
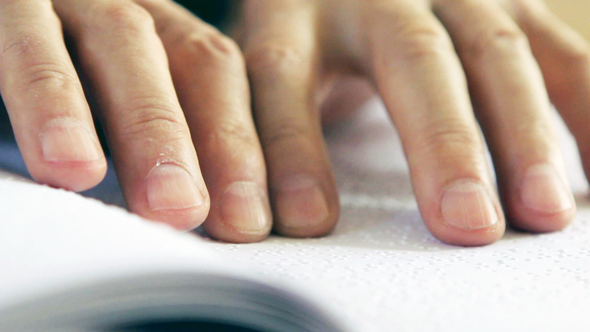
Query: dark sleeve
<point x="214" y="12"/>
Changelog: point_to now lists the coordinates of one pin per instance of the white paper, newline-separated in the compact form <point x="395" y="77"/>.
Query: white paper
<point x="73" y="263"/>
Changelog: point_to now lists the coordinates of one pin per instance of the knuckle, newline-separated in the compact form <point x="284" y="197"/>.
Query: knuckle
<point x="19" y="47"/>
<point x="276" y="59"/>
<point x="232" y="133"/>
<point x="537" y="132"/>
<point x="211" y="48"/>
<point x="24" y="45"/>
<point x="151" y="117"/>
<point x="286" y="132"/>
<point x="47" y="76"/>
<point x="154" y="125"/>
<point x="27" y="53"/>
<point x="448" y="139"/>
<point x="125" y="15"/>
<point x="496" y="42"/>
<point x="424" y="40"/>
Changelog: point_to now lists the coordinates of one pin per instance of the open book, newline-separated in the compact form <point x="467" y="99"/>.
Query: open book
<point x="69" y="263"/>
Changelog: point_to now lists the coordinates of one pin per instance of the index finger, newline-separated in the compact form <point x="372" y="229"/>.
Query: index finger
<point x="44" y="98"/>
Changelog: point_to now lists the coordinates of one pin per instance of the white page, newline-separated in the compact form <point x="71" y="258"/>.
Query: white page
<point x="51" y="238"/>
<point x="69" y="262"/>
<point x="383" y="271"/>
<point x="382" y="268"/>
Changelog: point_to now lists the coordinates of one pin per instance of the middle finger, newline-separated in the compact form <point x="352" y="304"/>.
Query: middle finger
<point x="412" y="61"/>
<point x="150" y="140"/>
<point x="210" y="76"/>
<point x="514" y="110"/>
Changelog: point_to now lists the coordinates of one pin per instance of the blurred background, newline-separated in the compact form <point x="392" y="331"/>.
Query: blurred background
<point x="215" y="12"/>
<point x="574" y="12"/>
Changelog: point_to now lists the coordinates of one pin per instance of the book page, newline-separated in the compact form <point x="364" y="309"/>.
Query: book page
<point x="52" y="239"/>
<point x="69" y="263"/>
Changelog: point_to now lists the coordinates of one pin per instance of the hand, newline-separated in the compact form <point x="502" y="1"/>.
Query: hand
<point x="291" y="65"/>
<point x="165" y="81"/>
<point x="440" y="66"/>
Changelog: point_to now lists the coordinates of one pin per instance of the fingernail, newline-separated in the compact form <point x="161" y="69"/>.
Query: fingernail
<point x="245" y="206"/>
<point x="467" y="205"/>
<point x="171" y="187"/>
<point x="300" y="202"/>
<point x="544" y="191"/>
<point x="67" y="139"/>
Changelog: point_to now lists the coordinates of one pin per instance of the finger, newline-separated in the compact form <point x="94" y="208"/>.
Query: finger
<point x="514" y="111"/>
<point x="564" y="58"/>
<point x="422" y="84"/>
<point x="149" y="138"/>
<point x="279" y="49"/>
<point x="210" y="77"/>
<point x="49" y="114"/>
<point x="344" y="98"/>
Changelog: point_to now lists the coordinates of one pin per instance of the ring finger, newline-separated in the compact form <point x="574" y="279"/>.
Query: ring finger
<point x="280" y="49"/>
<point x="412" y="61"/>
<point x="514" y="111"/>
<point x="210" y="77"/>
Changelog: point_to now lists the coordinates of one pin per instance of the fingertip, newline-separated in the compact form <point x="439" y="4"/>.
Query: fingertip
<point x="172" y="195"/>
<point x="182" y="219"/>
<point x="65" y="153"/>
<point x="322" y="228"/>
<point x="467" y="215"/>
<point x="531" y="220"/>
<point x="543" y="202"/>
<point x="229" y="233"/>
<point x="535" y="222"/>
<point x="242" y="214"/>
<point x="472" y="238"/>
<point x="74" y="176"/>
<point x="304" y="208"/>
<point x="456" y="236"/>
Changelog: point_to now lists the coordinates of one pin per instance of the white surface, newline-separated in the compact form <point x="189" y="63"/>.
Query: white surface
<point x="383" y="271"/>
<point x="72" y="263"/>
<point x="50" y="239"/>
